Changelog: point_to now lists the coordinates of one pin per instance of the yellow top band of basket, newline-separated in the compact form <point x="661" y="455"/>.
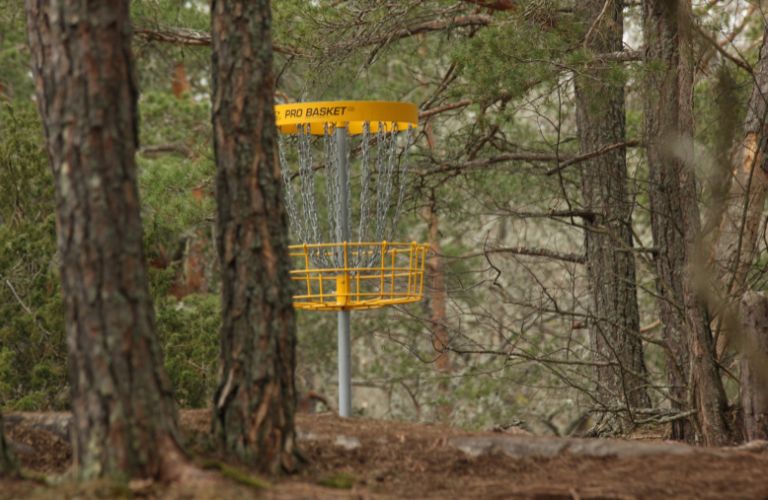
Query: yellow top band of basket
<point x="349" y="114"/>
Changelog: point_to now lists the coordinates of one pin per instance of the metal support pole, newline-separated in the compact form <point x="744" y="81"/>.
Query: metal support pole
<point x="345" y="383"/>
<point x="343" y="235"/>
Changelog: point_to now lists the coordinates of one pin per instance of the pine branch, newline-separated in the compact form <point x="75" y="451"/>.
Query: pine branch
<point x="192" y="38"/>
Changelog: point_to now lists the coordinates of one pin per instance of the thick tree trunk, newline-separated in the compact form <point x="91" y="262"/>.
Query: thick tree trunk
<point x="693" y="374"/>
<point x="7" y="462"/>
<point x="255" y="402"/>
<point x="615" y="327"/>
<point x="122" y="403"/>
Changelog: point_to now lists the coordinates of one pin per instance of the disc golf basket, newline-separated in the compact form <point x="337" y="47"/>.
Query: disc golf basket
<point x="351" y="160"/>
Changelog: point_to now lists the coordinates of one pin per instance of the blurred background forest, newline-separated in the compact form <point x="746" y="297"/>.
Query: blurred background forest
<point x="496" y="188"/>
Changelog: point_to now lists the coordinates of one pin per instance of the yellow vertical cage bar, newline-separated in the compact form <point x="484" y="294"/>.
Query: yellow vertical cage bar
<point x="382" y="259"/>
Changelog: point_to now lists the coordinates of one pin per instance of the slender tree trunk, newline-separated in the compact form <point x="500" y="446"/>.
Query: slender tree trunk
<point x="692" y="372"/>
<point x="7" y="462"/>
<point x="735" y="251"/>
<point x="735" y="248"/>
<point x="255" y="402"/>
<point x="615" y="329"/>
<point x="437" y="306"/>
<point x="123" y="409"/>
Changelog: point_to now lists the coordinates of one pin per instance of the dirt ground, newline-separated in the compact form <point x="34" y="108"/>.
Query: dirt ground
<point x="362" y="458"/>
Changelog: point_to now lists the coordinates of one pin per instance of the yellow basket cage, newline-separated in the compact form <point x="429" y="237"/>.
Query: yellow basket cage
<point x="394" y="275"/>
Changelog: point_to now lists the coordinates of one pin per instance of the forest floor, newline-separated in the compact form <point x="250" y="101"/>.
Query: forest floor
<point x="363" y="458"/>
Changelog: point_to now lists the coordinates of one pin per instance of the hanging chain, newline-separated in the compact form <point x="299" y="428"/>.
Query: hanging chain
<point x="377" y="223"/>
<point x="365" y="180"/>
<point x="309" y="197"/>
<point x="296" y="223"/>
<point x="402" y="177"/>
<point x="387" y="159"/>
<point x="331" y="193"/>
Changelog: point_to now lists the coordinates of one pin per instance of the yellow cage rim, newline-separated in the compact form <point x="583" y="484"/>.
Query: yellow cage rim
<point x="349" y="114"/>
<point x="344" y="288"/>
<point x="355" y="244"/>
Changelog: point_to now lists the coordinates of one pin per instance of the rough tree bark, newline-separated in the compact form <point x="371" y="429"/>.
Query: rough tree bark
<point x="692" y="372"/>
<point x="600" y="116"/>
<point x="255" y="402"/>
<point x="735" y="251"/>
<point x="7" y="462"/>
<point x="753" y="368"/>
<point x="122" y="404"/>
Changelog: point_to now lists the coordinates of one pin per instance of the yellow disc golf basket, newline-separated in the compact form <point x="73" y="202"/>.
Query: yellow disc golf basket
<point x="359" y="149"/>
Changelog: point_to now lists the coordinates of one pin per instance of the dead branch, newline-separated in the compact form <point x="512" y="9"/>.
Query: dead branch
<point x="592" y="154"/>
<point x="533" y="252"/>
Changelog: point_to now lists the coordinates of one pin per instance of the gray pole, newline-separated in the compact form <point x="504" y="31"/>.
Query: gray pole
<point x="343" y="235"/>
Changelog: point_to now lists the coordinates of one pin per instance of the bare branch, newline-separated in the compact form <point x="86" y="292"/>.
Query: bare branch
<point x="738" y="61"/>
<point x="533" y="252"/>
<point x="592" y="154"/>
<point x="446" y="107"/>
<point x="529" y="157"/>
<point x="620" y="56"/>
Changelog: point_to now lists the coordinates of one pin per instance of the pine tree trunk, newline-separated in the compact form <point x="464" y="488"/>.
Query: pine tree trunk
<point x="615" y="327"/>
<point x="123" y="410"/>
<point x="735" y="248"/>
<point x="438" y="311"/>
<point x="754" y="369"/>
<point x="692" y="372"/>
<point x="7" y="462"/>
<point x="255" y="402"/>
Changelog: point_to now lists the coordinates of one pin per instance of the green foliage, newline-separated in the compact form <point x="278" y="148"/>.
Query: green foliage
<point x="518" y="52"/>
<point x="188" y="332"/>
<point x="170" y="211"/>
<point x="32" y="359"/>
<point x="15" y="83"/>
<point x="515" y="77"/>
